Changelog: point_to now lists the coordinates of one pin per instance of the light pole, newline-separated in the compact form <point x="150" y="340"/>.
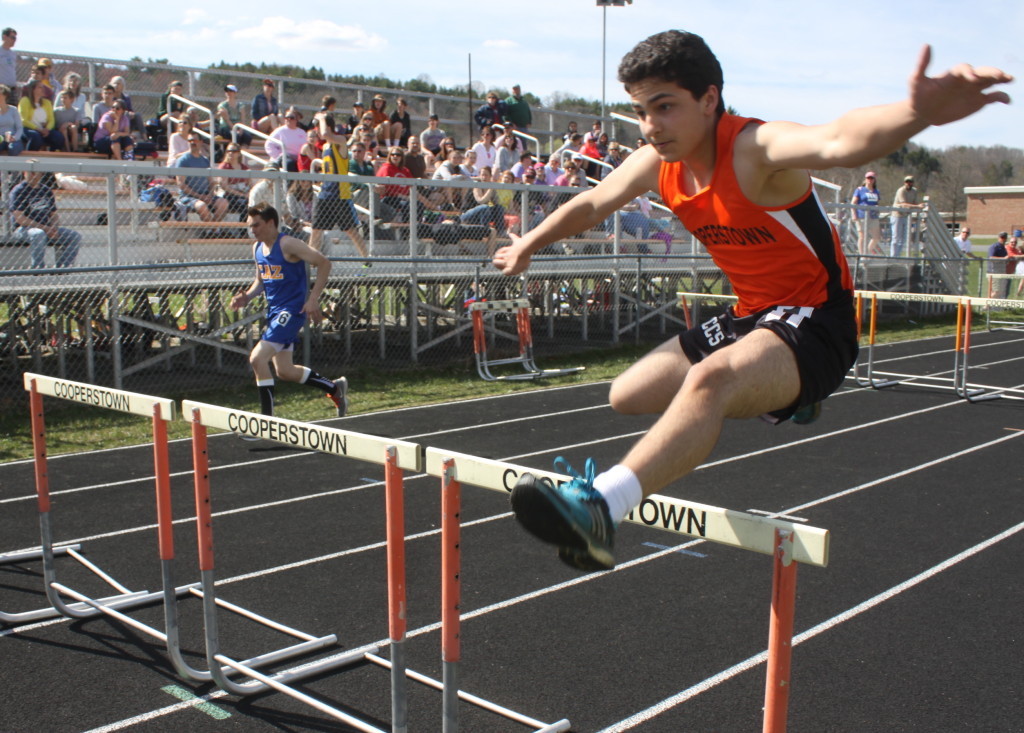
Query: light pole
<point x="603" y="4"/>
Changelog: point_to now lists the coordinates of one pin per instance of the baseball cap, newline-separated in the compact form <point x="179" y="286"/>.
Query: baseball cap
<point x="870" y="174"/>
<point x="1003" y="235"/>
<point x="268" y="82"/>
<point x="908" y="178"/>
<point x="230" y="88"/>
<point x="44" y="62"/>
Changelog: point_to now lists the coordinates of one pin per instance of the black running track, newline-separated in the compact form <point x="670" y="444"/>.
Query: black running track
<point x="914" y="626"/>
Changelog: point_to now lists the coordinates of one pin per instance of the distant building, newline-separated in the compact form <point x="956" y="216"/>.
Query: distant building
<point x="994" y="209"/>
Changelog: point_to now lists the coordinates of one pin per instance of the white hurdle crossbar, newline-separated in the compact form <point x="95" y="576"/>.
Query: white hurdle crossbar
<point x="788" y="543"/>
<point x="521" y="308"/>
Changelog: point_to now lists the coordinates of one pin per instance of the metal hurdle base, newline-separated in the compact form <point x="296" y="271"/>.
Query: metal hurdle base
<point x="521" y="308"/>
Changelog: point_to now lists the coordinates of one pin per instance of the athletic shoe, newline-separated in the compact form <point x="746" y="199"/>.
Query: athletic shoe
<point x="807" y="414"/>
<point x="340" y="395"/>
<point x="574" y="516"/>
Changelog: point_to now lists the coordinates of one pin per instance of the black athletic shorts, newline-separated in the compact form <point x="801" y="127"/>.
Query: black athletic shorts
<point x="824" y="341"/>
<point x="334" y="212"/>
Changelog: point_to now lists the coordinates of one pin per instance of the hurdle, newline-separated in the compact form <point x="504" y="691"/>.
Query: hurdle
<point x="958" y="383"/>
<point x="521" y="309"/>
<point x="160" y="411"/>
<point x="788" y="543"/>
<point x="396" y="456"/>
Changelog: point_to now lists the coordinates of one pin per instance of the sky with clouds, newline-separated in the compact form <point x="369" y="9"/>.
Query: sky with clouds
<point x="794" y="59"/>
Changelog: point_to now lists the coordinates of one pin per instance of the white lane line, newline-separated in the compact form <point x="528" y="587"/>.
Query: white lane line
<point x="727" y="674"/>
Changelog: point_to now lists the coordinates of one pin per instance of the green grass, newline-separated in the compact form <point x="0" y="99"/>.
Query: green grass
<point x="72" y="427"/>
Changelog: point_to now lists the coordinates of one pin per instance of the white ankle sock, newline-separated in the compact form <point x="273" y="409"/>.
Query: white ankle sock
<point x="621" y="489"/>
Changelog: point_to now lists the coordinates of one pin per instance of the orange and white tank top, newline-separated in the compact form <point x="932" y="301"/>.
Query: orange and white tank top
<point x="787" y="255"/>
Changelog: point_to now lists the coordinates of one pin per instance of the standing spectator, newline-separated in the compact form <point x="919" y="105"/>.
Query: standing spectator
<point x="197" y="191"/>
<point x="571" y="129"/>
<point x="334" y="207"/>
<point x="51" y="81"/>
<point x="869" y="228"/>
<point x="11" y="129"/>
<point x="235" y="190"/>
<point x="401" y="123"/>
<point x="37" y="118"/>
<point x="285" y="143"/>
<point x="9" y="59"/>
<point x="517" y="110"/>
<point x="112" y="134"/>
<point x="964" y="242"/>
<point x="1018" y="254"/>
<point x="431" y="137"/>
<point x="264" y="112"/>
<point x="492" y="112"/>
<point x="998" y="261"/>
<point x="593" y="133"/>
<point x="281" y="276"/>
<point x="415" y="161"/>
<point x="906" y="198"/>
<point x="66" y="116"/>
<point x="34" y="210"/>
<point x="229" y="114"/>
<point x="485" y="149"/>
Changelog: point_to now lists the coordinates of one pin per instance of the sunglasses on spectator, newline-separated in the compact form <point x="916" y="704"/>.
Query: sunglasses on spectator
<point x="234" y="150"/>
<point x="290" y="117"/>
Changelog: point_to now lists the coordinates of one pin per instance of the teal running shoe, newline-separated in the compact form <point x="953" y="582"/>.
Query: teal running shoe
<point x="572" y="516"/>
<point x="807" y="414"/>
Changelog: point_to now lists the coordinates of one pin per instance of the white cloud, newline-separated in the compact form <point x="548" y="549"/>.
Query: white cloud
<point x="195" y="15"/>
<point x="287" y="34"/>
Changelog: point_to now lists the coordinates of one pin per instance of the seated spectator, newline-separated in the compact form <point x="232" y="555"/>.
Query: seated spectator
<point x="11" y="129"/>
<point x="358" y="110"/>
<point x="369" y="141"/>
<point x="66" y="117"/>
<point x="486" y="210"/>
<point x="401" y="123"/>
<point x="112" y="134"/>
<point x="591" y="153"/>
<point x="167" y="110"/>
<point x="38" y="120"/>
<point x="453" y="232"/>
<point x="134" y="122"/>
<point x="469" y="168"/>
<point x="177" y="143"/>
<point x="525" y="164"/>
<point x="86" y="125"/>
<point x="39" y="74"/>
<point x="310" y="149"/>
<point x="229" y="114"/>
<point x="381" y="121"/>
<point x="431" y="137"/>
<point x="197" y="191"/>
<point x="414" y="159"/>
<point x="510" y="131"/>
<point x="569" y="172"/>
<point x="34" y="211"/>
<point x="553" y="170"/>
<point x="569" y="148"/>
<point x="235" y="190"/>
<point x="361" y="164"/>
<point x="451" y="170"/>
<point x="506" y="155"/>
<point x="593" y="133"/>
<point x="262" y="191"/>
<point x="485" y="149"/>
<point x="103" y="106"/>
<point x="395" y="195"/>
<point x="614" y="158"/>
<point x="285" y="143"/>
<point x="634" y="219"/>
<point x="264" y="113"/>
<point x="298" y="210"/>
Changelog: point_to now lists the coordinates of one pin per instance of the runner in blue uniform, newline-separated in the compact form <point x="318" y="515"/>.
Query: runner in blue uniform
<point x="281" y="276"/>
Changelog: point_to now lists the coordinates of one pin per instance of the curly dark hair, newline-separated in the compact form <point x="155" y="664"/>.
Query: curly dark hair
<point x="674" y="56"/>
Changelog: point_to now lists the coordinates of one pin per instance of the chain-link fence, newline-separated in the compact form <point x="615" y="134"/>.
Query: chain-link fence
<point x="134" y="291"/>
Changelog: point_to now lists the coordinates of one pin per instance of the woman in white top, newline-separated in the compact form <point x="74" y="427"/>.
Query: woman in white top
<point x="485" y="149"/>
<point x="177" y="143"/>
